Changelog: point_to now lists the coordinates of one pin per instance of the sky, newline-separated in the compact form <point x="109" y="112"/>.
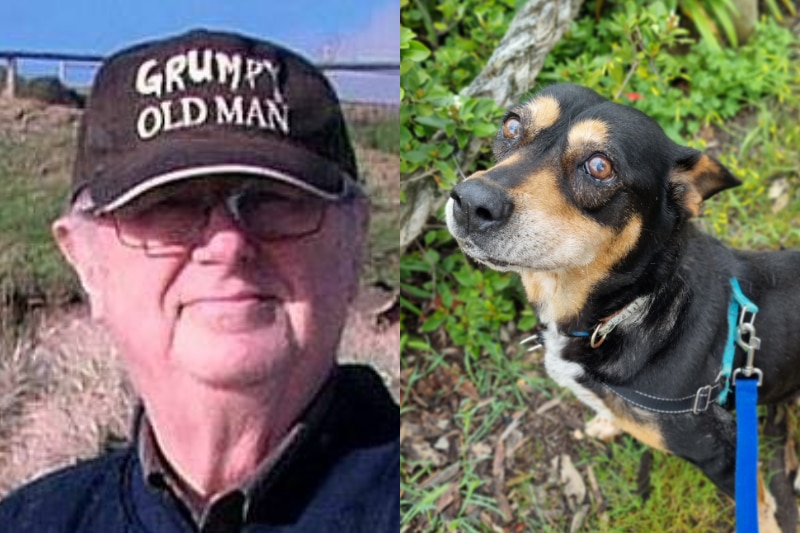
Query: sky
<point x="343" y="30"/>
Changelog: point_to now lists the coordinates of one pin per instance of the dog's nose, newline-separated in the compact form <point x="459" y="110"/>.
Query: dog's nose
<point x="479" y="205"/>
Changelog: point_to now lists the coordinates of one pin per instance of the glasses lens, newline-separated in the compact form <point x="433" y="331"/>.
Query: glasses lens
<point x="270" y="217"/>
<point x="170" y="222"/>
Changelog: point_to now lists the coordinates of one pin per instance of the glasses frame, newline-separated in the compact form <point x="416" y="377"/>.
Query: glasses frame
<point x="231" y="201"/>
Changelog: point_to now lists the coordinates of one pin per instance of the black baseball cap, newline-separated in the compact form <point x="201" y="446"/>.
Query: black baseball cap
<point x="206" y="103"/>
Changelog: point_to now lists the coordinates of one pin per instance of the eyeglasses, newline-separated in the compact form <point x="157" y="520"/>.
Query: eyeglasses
<point x="177" y="222"/>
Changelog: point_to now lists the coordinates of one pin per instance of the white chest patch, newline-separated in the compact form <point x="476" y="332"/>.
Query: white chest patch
<point x="567" y="373"/>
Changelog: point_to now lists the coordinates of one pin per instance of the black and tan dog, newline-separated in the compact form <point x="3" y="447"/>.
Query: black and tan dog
<point x="590" y="203"/>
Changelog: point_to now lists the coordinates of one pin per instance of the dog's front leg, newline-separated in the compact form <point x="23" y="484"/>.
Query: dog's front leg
<point x="603" y="427"/>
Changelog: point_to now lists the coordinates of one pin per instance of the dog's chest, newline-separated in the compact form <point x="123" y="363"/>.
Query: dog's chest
<point x="568" y="373"/>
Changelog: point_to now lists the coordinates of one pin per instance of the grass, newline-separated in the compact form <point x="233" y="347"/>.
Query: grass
<point x="762" y="148"/>
<point x="765" y="152"/>
<point x="383" y="136"/>
<point x="384" y="239"/>
<point x="32" y="272"/>
<point x="666" y="508"/>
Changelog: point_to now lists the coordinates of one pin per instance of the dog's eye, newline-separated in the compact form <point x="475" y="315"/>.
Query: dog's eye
<point x="599" y="167"/>
<point x="511" y="128"/>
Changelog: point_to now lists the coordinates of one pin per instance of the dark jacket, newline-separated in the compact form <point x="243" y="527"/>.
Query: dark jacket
<point x="341" y="475"/>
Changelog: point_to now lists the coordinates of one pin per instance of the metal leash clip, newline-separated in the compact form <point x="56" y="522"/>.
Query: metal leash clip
<point x="749" y="345"/>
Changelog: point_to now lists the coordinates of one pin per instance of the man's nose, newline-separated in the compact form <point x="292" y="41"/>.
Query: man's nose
<point x="479" y="205"/>
<point x="223" y="238"/>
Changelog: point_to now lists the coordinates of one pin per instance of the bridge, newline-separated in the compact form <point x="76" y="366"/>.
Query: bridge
<point x="64" y="61"/>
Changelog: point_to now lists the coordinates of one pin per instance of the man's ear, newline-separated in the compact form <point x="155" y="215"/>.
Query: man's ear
<point x="697" y="177"/>
<point x="73" y="240"/>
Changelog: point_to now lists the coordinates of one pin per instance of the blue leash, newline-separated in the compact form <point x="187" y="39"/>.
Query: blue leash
<point x="746" y="455"/>
<point x="746" y="380"/>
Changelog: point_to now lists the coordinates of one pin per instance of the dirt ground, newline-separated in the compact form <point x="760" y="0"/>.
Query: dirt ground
<point x="531" y="445"/>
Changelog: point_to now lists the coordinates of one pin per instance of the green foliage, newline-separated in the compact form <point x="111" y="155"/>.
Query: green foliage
<point x="444" y="45"/>
<point x="32" y="272"/>
<point x="776" y="11"/>
<point x="50" y="90"/>
<point x="47" y="89"/>
<point x="383" y="136"/>
<point x="707" y="16"/>
<point x="442" y="291"/>
<point x="763" y="212"/>
<point x="631" y="53"/>
<point x="438" y="58"/>
<point x="618" y="467"/>
<point x="30" y="278"/>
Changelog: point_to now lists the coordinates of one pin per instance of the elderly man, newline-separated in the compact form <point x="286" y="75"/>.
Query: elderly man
<point x="217" y="226"/>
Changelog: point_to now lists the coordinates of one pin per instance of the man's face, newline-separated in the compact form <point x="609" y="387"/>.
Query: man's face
<point x="230" y="310"/>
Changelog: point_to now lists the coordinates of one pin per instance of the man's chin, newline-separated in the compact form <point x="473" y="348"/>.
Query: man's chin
<point x="232" y="365"/>
<point x="236" y="349"/>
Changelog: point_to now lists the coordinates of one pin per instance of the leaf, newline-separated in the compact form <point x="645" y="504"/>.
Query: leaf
<point x="574" y="486"/>
<point x="434" y="121"/>
<point x="697" y="13"/>
<point x="448" y="174"/>
<point x="433" y="322"/>
<point x="465" y="277"/>
<point x="416" y="52"/>
<point x="446" y="294"/>
<point x="527" y="323"/>
<point x="484" y="129"/>
<point x="722" y="12"/>
<point x="406" y="36"/>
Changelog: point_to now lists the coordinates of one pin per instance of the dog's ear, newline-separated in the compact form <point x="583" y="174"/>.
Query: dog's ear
<point x="696" y="177"/>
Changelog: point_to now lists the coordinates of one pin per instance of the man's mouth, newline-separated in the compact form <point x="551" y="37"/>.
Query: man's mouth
<point x="233" y="298"/>
<point x="235" y="311"/>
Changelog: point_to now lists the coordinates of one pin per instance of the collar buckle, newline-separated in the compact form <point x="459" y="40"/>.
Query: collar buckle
<point x="702" y="400"/>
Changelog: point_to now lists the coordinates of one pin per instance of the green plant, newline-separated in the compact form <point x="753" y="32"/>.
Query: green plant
<point x="438" y="58"/>
<point x="471" y="305"/>
<point x="383" y="136"/>
<point x="640" y="488"/>
<point x="32" y="272"/>
<point x="762" y="212"/>
<point x="775" y="9"/>
<point x="50" y="90"/>
<point x="631" y="56"/>
<point x="708" y="15"/>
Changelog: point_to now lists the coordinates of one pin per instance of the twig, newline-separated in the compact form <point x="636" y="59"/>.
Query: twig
<point x="444" y="475"/>
<point x="458" y="167"/>
<point x="420" y="177"/>
<point x="433" y="272"/>
<point x="627" y="79"/>
<point x="513" y="425"/>
<point x="428" y="22"/>
<point x="499" y="475"/>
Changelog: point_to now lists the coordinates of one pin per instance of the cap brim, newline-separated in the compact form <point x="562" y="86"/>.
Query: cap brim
<point x="178" y="159"/>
